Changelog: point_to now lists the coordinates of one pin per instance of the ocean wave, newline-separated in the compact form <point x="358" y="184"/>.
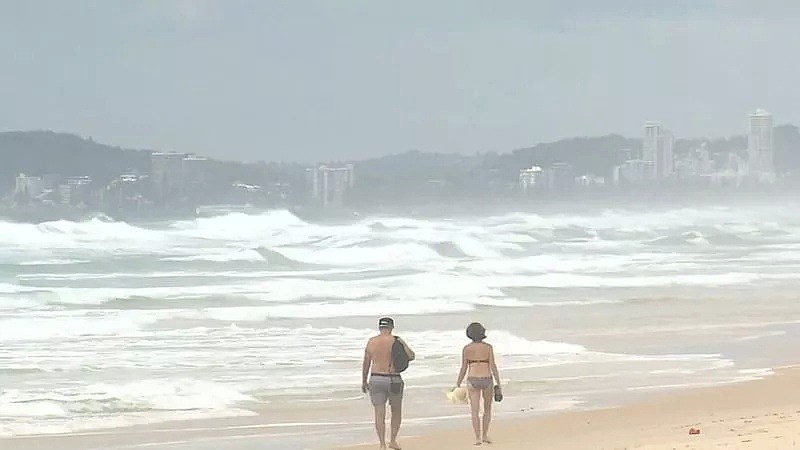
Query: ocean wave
<point x="321" y="310"/>
<point x="60" y="324"/>
<point x="687" y="238"/>
<point x="141" y="395"/>
<point x="403" y="238"/>
<point x="277" y="259"/>
<point x="15" y="410"/>
<point x="284" y="289"/>
<point x="449" y="250"/>
<point x="54" y="262"/>
<point x="103" y="405"/>
<point x="392" y="255"/>
<point x="563" y="280"/>
<point x="230" y="256"/>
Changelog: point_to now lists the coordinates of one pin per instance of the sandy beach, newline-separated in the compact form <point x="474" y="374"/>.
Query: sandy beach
<point x="763" y="414"/>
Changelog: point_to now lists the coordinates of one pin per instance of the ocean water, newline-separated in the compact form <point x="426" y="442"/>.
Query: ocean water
<point x="106" y="324"/>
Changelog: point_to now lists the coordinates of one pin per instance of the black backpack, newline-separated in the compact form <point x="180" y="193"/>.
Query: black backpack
<point x="399" y="356"/>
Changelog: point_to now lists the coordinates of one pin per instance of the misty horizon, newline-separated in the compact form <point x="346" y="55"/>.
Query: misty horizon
<point x="325" y="81"/>
<point x="678" y="138"/>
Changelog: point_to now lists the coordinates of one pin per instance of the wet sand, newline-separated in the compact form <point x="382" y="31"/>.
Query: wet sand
<point x="763" y="414"/>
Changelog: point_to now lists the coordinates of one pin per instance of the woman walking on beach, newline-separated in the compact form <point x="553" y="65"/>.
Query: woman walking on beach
<point x="483" y="380"/>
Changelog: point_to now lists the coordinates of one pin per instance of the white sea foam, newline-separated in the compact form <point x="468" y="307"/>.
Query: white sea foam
<point x="277" y="290"/>
<point x="65" y="324"/>
<point x="555" y="280"/>
<point x="234" y="255"/>
<point x="122" y="313"/>
<point x="325" y="309"/>
<point x="30" y="409"/>
<point x="54" y="262"/>
<point x="394" y="254"/>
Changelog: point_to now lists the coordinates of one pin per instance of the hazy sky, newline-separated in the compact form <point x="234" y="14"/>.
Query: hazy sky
<point x="318" y="80"/>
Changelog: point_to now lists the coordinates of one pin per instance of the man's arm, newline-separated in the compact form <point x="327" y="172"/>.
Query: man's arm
<point x="411" y="355"/>
<point x="365" y="370"/>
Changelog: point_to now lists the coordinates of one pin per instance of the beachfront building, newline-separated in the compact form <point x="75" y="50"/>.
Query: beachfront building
<point x="29" y="187"/>
<point x="760" y="150"/>
<point x="657" y="150"/>
<point x="559" y="177"/>
<point x="327" y="186"/>
<point x="589" y="181"/>
<point x="530" y="179"/>
<point x="695" y="165"/>
<point x="75" y="190"/>
<point x="632" y="172"/>
<point x="166" y="176"/>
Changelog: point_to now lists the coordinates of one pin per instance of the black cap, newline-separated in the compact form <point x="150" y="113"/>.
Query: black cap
<point x="386" y="322"/>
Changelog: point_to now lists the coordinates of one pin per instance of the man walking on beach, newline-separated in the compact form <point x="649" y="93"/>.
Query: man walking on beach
<point x="383" y="382"/>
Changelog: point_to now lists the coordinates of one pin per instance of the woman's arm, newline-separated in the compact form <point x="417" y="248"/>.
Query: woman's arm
<point x="493" y="366"/>
<point x="463" y="371"/>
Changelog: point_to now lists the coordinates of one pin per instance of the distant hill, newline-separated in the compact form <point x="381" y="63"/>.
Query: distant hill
<point x="595" y="155"/>
<point x="46" y="152"/>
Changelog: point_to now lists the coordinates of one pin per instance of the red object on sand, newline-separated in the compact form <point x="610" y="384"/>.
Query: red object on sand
<point x="693" y="431"/>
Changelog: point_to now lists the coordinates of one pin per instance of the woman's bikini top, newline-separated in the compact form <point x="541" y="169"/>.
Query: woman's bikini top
<point x="476" y="361"/>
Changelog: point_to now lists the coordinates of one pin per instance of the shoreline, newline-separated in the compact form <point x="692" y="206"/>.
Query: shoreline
<point x="760" y="414"/>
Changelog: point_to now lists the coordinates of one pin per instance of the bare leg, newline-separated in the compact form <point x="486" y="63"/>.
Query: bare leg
<point x="397" y="419"/>
<point x="475" y="407"/>
<point x="488" y="397"/>
<point x="380" y="424"/>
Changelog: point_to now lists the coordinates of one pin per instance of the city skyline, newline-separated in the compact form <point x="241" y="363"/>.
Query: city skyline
<point x="743" y="131"/>
<point x="297" y="81"/>
<point x="169" y="182"/>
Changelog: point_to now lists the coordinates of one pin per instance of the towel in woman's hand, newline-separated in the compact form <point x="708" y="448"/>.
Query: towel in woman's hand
<point x="457" y="396"/>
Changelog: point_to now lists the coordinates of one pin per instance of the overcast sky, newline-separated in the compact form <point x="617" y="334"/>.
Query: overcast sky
<point x="318" y="80"/>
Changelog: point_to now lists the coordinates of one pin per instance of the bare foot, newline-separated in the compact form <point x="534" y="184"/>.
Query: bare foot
<point x="486" y="440"/>
<point x="394" y="446"/>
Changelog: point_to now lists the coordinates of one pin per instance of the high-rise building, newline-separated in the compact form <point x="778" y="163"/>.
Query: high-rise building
<point x="166" y="176"/>
<point x="327" y="186"/>
<point x="759" y="144"/>
<point x="652" y="131"/>
<point x="530" y="179"/>
<point x="666" y="161"/>
<point x="657" y="149"/>
<point x="75" y="190"/>
<point x="559" y="177"/>
<point x="632" y="172"/>
<point x="195" y="176"/>
<point x="28" y="186"/>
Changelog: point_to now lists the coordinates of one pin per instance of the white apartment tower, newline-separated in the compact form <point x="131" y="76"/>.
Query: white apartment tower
<point x="657" y="150"/>
<point x="327" y="185"/>
<point x="759" y="144"/>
